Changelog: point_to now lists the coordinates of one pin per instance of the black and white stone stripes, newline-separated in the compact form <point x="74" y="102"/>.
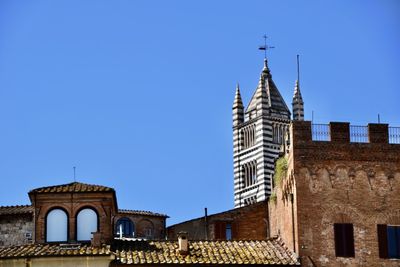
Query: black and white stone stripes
<point x="258" y="133"/>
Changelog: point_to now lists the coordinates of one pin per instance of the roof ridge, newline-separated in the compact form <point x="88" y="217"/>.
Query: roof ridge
<point x="142" y="212"/>
<point x="72" y="187"/>
<point x="16" y="206"/>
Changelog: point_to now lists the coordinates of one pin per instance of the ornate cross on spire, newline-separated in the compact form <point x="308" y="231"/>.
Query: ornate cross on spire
<point x="265" y="47"/>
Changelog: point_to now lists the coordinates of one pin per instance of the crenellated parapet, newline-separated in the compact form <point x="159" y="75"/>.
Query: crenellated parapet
<point x="343" y="132"/>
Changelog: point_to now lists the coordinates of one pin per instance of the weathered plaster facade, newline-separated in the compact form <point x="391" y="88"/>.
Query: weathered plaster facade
<point x="88" y="261"/>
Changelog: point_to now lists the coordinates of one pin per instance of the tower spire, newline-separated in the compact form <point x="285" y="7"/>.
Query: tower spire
<point x="297" y="103"/>
<point x="237" y="109"/>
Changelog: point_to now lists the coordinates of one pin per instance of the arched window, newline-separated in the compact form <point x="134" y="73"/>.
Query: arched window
<point x="86" y="222"/>
<point x="146" y="229"/>
<point x="57" y="226"/>
<point x="124" y="226"/>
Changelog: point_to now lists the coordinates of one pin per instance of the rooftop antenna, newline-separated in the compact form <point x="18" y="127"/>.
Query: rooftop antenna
<point x="74" y="173"/>
<point x="312" y="116"/>
<point x="298" y="69"/>
<point x="265" y="47"/>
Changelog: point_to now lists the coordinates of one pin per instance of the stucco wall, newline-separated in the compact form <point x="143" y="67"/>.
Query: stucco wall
<point x="59" y="261"/>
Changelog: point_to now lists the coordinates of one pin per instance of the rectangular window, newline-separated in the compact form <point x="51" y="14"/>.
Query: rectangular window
<point x="344" y="239"/>
<point x="389" y="241"/>
<point x="228" y="231"/>
<point x="225" y="230"/>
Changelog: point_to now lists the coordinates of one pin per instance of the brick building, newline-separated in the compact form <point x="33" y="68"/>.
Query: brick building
<point x="78" y="224"/>
<point x="71" y="212"/>
<point x="336" y="188"/>
<point x="333" y="190"/>
<point x="338" y="203"/>
<point x="248" y="222"/>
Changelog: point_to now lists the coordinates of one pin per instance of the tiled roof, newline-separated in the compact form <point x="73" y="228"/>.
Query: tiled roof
<point x="141" y="212"/>
<point x="13" y="210"/>
<point x="74" y="187"/>
<point x="265" y="252"/>
<point x="49" y="250"/>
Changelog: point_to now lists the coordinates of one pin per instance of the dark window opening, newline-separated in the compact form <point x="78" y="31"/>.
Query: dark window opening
<point x="124" y="228"/>
<point x="344" y="239"/>
<point x="389" y="241"/>
<point x="228" y="231"/>
<point x="225" y="230"/>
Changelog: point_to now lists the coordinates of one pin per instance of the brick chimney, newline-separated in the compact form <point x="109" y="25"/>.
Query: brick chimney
<point x="96" y="239"/>
<point x="183" y="243"/>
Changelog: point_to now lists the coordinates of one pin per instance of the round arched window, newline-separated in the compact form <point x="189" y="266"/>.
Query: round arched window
<point x="57" y="226"/>
<point x="124" y="227"/>
<point x="86" y="222"/>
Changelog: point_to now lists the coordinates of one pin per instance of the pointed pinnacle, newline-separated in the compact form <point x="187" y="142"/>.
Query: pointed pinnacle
<point x="238" y="98"/>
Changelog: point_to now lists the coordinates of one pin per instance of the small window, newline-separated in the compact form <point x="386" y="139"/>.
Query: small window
<point x="148" y="232"/>
<point x="145" y="228"/>
<point x="224" y="230"/>
<point x="56" y="226"/>
<point x="389" y="241"/>
<point x="124" y="227"/>
<point x="86" y="224"/>
<point x="228" y="231"/>
<point x="344" y="239"/>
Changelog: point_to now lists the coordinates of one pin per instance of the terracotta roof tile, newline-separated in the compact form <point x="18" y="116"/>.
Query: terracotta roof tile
<point x="265" y="252"/>
<point x="13" y="210"/>
<point x="142" y="212"/>
<point x="74" y="187"/>
<point x="45" y="250"/>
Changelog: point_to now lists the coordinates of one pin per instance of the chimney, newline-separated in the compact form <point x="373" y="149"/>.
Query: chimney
<point x="183" y="243"/>
<point x="96" y="239"/>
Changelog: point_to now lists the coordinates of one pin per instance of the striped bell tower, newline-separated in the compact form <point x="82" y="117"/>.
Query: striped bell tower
<point x="258" y="133"/>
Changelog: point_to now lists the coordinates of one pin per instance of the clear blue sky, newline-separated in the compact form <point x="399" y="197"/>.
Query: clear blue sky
<point x="138" y="94"/>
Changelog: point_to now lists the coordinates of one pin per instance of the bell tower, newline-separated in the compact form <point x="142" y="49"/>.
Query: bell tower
<point x="258" y="133"/>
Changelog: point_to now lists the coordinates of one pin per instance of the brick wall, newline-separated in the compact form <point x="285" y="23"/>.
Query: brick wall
<point x="13" y="229"/>
<point x="339" y="182"/>
<point x="143" y="222"/>
<point x="249" y="222"/>
<point x="102" y="202"/>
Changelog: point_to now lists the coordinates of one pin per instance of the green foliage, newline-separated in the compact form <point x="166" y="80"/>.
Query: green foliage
<point x="281" y="167"/>
<point x="272" y="198"/>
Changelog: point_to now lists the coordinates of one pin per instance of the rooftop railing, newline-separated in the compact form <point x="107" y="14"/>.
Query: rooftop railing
<point x="321" y="132"/>
<point x="394" y="135"/>
<point x="358" y="134"/>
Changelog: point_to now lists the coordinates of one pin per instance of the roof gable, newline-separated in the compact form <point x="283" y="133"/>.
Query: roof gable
<point x="74" y="187"/>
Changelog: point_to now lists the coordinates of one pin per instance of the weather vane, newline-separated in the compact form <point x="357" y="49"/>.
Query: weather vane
<point x="265" y="47"/>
